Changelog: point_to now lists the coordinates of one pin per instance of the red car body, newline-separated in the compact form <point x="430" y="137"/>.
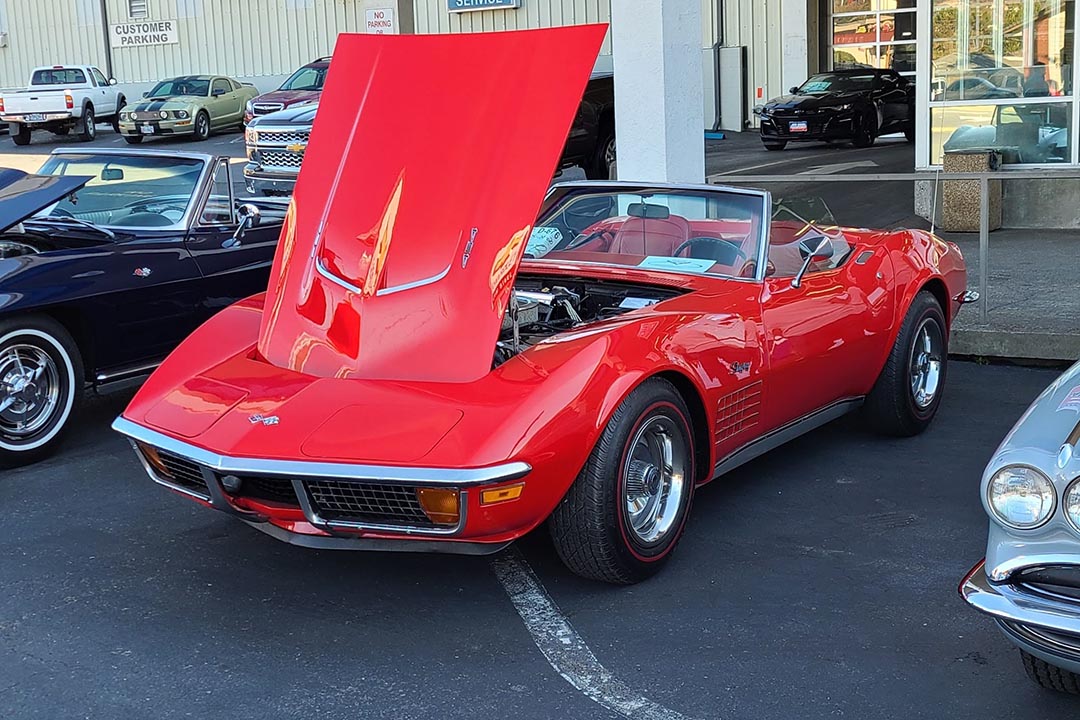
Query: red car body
<point x="366" y="369"/>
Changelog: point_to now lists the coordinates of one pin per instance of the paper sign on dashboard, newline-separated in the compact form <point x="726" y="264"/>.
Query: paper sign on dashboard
<point x="659" y="262"/>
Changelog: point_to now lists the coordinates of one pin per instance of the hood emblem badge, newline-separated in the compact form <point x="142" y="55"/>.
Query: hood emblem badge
<point x="264" y="420"/>
<point x="468" y="249"/>
<point x="142" y="272"/>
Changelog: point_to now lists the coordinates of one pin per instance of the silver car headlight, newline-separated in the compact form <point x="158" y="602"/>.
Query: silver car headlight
<point x="1072" y="503"/>
<point x="1021" y="497"/>
<point x="182" y="114"/>
<point x="163" y="114"/>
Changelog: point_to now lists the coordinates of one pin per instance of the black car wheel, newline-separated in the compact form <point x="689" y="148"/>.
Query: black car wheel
<point x="602" y="165"/>
<point x="865" y="130"/>
<point x="909" y="132"/>
<point x="907" y="393"/>
<point x="774" y="145"/>
<point x="89" y="131"/>
<point x="1050" y="676"/>
<point x="120" y="105"/>
<point x="625" y="513"/>
<point x="41" y="382"/>
<point x="202" y="125"/>
<point x="22" y="137"/>
<point x="133" y="139"/>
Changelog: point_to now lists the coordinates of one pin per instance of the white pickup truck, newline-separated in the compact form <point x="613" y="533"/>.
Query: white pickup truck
<point x="60" y="98"/>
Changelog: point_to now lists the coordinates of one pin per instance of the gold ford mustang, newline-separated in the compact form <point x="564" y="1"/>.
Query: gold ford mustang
<point x="189" y="105"/>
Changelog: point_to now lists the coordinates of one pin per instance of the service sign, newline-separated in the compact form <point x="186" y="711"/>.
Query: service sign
<point x="470" y="5"/>
<point x="138" y="34"/>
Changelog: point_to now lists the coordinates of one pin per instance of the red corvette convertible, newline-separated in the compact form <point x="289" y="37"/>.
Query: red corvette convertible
<point x="438" y="366"/>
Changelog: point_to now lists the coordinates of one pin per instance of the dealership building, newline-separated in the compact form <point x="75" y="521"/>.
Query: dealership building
<point x="986" y="71"/>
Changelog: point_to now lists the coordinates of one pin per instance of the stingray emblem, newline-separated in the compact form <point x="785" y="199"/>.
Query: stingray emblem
<point x="739" y="368"/>
<point x="142" y="272"/>
<point x="263" y="420"/>
<point x="468" y="249"/>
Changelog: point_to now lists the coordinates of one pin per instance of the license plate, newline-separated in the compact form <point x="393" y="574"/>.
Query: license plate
<point x="797" y="126"/>
<point x="146" y="129"/>
<point x="35" y="117"/>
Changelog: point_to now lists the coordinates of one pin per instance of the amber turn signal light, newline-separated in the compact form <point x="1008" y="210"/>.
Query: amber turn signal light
<point x="501" y="494"/>
<point x="151" y="454"/>
<point x="440" y="505"/>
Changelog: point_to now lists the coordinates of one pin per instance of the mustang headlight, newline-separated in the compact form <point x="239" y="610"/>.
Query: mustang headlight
<point x="1072" y="503"/>
<point x="182" y="114"/>
<point x="1021" y="497"/>
<point x="163" y="114"/>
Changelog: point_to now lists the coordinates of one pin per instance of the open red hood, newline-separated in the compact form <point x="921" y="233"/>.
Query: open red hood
<point x="428" y="161"/>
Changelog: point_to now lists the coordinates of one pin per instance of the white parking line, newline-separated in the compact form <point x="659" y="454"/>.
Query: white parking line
<point x="563" y="647"/>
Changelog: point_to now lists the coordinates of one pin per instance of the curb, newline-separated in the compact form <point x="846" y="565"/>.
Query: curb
<point x="1015" y="345"/>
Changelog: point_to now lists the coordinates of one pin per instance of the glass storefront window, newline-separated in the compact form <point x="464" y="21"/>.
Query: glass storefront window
<point x="874" y="33"/>
<point x="1028" y="133"/>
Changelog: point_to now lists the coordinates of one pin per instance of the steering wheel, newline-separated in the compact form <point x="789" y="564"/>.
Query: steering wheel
<point x="729" y="246"/>
<point x="590" y="237"/>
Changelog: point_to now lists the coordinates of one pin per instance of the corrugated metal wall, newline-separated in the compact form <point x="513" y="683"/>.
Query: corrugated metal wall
<point x="756" y="25"/>
<point x="34" y="37"/>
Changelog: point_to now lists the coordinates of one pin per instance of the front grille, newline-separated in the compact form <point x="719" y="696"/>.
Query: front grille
<point x="274" y="489"/>
<point x="183" y="472"/>
<point x="147" y="115"/>
<point x="280" y="158"/>
<point x="283" y="137"/>
<point x="266" y="108"/>
<point x="366" y="502"/>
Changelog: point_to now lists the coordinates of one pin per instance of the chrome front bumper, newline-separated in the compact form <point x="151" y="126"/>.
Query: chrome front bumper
<point x="1037" y="621"/>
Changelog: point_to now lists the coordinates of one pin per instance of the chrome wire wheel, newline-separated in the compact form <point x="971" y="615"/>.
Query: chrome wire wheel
<point x="927" y="356"/>
<point x="654" y="480"/>
<point x="610" y="159"/>
<point x="30" y="390"/>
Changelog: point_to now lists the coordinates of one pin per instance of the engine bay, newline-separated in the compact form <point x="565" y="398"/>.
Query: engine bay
<point x="542" y="306"/>
<point x="15" y="243"/>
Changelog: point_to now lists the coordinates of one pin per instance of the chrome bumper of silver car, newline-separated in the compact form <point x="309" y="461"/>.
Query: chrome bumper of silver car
<point x="1014" y="605"/>
<point x="213" y="465"/>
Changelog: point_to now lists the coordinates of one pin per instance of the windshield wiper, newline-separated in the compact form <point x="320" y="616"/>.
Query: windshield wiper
<point x="78" y="221"/>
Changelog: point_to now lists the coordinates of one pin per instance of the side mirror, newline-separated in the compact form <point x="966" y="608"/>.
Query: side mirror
<point x="249" y="217"/>
<point x="793" y="90"/>
<point x="813" y="248"/>
<point x="112" y="81"/>
<point x="218" y="92"/>
<point x="146" y="94"/>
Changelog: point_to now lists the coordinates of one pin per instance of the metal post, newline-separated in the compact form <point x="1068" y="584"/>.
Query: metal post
<point x="103" y="4"/>
<point x="984" y="247"/>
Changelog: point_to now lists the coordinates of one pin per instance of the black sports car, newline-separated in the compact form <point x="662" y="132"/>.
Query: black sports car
<point x="108" y="259"/>
<point x="856" y="105"/>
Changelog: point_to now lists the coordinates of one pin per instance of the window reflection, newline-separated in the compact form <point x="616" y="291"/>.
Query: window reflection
<point x="1033" y="133"/>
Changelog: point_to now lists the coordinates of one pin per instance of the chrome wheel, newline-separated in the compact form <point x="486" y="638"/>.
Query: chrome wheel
<point x="609" y="159"/>
<point x="927" y="356"/>
<point x="30" y="390"/>
<point x="654" y="479"/>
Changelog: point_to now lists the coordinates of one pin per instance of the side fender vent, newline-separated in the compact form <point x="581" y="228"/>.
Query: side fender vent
<point x="738" y="411"/>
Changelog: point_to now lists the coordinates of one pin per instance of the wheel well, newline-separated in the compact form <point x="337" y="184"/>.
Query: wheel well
<point x="699" y="422"/>
<point x="76" y="326"/>
<point x="937" y="287"/>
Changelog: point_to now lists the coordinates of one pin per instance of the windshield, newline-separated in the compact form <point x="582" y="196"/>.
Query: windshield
<point x="126" y="191"/>
<point x="181" y="86"/>
<point x="307" y="78"/>
<point x="837" y="82"/>
<point x="713" y="232"/>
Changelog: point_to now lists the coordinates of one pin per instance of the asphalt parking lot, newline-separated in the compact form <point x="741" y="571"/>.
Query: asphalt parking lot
<point x="816" y="582"/>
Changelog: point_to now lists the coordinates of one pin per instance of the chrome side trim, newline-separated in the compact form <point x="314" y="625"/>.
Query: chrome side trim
<point x="436" y="477"/>
<point x="127" y="372"/>
<point x="1004" y="572"/>
<point x="788" y="432"/>
<point x="1008" y="603"/>
<point x="414" y="283"/>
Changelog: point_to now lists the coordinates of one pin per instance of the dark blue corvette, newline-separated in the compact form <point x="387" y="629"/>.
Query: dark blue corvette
<point x="108" y="259"/>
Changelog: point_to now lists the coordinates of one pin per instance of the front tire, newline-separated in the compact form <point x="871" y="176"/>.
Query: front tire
<point x="120" y="105"/>
<point x="133" y="139"/>
<point x="89" y="131"/>
<point x="202" y="126"/>
<point x="908" y="391"/>
<point x="626" y="511"/>
<point x="22" y="137"/>
<point x="41" y="383"/>
<point x="1050" y="677"/>
<point x="866" y="132"/>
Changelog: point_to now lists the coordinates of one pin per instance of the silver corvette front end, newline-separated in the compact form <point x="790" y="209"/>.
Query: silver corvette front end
<point x="1030" y="580"/>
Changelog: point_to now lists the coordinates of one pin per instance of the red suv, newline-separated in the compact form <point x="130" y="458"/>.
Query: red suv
<point x="303" y="86"/>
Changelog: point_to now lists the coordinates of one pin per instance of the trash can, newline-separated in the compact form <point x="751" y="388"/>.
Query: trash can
<point x="960" y="198"/>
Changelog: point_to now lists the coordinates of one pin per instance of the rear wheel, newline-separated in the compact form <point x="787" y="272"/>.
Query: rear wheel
<point x="774" y="144"/>
<point x="89" y="131"/>
<point x="41" y="382"/>
<point x="908" y="391"/>
<point x="1050" y="676"/>
<point x="22" y="136"/>
<point x="625" y="513"/>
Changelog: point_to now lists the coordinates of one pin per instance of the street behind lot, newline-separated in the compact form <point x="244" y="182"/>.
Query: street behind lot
<point x="818" y="581"/>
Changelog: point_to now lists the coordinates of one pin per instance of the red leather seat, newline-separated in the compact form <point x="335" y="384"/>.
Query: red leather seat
<point x="650" y="236"/>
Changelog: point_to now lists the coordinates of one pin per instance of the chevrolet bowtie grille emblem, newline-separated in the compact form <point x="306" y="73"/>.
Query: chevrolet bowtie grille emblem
<point x="296" y="148"/>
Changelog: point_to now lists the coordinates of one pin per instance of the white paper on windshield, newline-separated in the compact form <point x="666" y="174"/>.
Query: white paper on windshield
<point x="541" y="240"/>
<point x="660" y="262"/>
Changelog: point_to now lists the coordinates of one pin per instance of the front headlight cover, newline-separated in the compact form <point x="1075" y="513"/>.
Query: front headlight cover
<point x="1021" y="497"/>
<point x="1071" y="503"/>
<point x="182" y="114"/>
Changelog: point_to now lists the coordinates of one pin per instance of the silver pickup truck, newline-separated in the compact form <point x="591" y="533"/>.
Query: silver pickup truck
<point x="59" y="99"/>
